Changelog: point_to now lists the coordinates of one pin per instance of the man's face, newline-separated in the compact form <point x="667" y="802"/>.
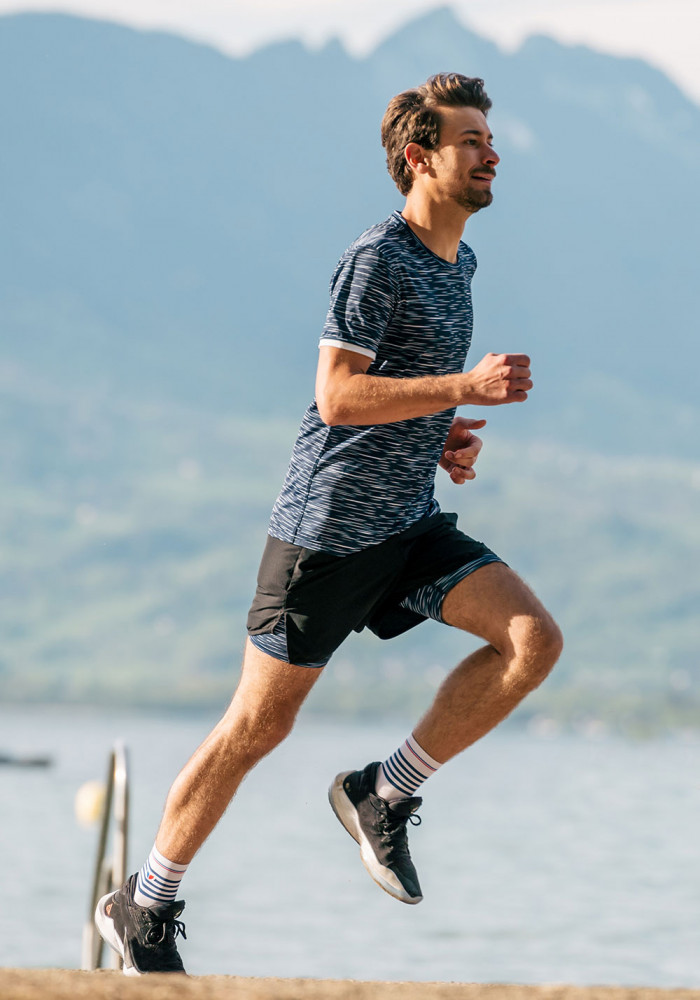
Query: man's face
<point x="464" y="164"/>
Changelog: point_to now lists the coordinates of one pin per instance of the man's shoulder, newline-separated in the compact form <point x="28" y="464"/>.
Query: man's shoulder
<point x="382" y="240"/>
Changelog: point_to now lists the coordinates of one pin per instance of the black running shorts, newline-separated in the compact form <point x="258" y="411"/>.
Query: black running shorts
<point x="307" y="602"/>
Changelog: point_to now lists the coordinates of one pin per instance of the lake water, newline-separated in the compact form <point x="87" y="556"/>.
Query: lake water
<point x="558" y="859"/>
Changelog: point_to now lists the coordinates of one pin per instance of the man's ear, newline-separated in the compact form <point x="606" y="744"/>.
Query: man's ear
<point x="417" y="158"/>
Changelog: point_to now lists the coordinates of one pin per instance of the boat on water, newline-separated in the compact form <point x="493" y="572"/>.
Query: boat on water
<point x="25" y="760"/>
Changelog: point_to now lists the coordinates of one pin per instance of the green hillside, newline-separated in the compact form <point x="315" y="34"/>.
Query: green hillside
<point x="131" y="538"/>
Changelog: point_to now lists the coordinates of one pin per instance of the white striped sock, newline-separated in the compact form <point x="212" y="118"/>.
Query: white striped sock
<point x="158" y="881"/>
<point x="402" y="773"/>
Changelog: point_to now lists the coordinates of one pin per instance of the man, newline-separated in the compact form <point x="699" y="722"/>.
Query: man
<point x="356" y="537"/>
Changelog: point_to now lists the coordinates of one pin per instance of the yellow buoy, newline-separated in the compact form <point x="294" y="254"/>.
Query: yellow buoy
<point x="89" y="802"/>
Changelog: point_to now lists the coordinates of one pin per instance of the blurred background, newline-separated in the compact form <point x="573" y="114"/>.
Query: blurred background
<point x="176" y="184"/>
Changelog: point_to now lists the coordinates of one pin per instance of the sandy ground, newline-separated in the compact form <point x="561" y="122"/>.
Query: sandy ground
<point x="59" y="984"/>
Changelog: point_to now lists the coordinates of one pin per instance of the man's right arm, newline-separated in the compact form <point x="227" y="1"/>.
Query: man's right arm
<point x="346" y="394"/>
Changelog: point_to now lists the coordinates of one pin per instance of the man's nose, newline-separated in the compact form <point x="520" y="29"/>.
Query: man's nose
<point x="492" y="157"/>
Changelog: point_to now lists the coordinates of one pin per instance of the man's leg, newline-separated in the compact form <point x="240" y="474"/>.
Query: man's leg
<point x="524" y="643"/>
<point x="260" y="716"/>
<point x="375" y="804"/>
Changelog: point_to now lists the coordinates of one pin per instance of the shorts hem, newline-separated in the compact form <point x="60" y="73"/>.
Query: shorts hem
<point x="468" y="569"/>
<point x="259" y="642"/>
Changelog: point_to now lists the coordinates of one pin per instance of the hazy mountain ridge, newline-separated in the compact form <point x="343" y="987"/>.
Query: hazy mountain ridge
<point x="171" y="219"/>
<point x="173" y="216"/>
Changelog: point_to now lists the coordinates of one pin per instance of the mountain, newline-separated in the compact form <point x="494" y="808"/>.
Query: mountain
<point x="170" y="219"/>
<point x="172" y="216"/>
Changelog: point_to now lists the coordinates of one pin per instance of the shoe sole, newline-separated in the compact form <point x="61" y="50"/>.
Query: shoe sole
<point x="108" y="932"/>
<point x="347" y="815"/>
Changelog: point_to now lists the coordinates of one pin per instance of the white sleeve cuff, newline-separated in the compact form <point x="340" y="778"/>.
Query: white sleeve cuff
<point x="327" y="342"/>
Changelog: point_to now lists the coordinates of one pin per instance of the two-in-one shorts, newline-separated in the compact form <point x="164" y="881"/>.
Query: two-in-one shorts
<point x="307" y="601"/>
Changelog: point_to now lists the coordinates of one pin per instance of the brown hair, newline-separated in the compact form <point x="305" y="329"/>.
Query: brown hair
<point x="414" y="116"/>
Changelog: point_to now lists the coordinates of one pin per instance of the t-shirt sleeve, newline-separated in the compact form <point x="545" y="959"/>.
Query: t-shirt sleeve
<point x="363" y="300"/>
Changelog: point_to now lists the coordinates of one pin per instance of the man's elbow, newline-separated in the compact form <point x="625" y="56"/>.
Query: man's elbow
<point x="331" y="410"/>
<point x="338" y="400"/>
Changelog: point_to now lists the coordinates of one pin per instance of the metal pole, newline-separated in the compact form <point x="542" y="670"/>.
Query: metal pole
<point x="109" y="876"/>
<point x="121" y="826"/>
<point x="90" y="934"/>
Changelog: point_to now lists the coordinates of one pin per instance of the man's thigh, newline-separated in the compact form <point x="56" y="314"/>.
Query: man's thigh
<point x="495" y="604"/>
<point x="271" y="685"/>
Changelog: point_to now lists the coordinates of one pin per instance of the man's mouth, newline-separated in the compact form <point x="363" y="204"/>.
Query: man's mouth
<point x="484" y="175"/>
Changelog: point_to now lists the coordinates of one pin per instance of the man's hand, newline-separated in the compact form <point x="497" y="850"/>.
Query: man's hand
<point x="499" y="378"/>
<point x="461" y="449"/>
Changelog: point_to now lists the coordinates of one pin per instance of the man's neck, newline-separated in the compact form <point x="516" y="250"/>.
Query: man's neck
<point x="439" y="225"/>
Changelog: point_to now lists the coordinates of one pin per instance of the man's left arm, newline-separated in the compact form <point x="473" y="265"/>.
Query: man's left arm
<point x="461" y="449"/>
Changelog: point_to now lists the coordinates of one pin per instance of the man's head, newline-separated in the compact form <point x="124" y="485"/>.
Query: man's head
<point x="425" y="129"/>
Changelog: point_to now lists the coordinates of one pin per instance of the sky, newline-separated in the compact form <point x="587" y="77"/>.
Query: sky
<point x="664" y="32"/>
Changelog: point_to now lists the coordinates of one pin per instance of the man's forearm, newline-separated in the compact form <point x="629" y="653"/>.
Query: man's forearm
<point x="362" y="399"/>
<point x="347" y="395"/>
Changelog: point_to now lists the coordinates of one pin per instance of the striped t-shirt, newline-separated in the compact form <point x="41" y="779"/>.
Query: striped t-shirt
<point x="410" y="311"/>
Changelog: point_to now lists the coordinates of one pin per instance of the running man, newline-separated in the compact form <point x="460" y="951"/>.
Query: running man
<point x="356" y="538"/>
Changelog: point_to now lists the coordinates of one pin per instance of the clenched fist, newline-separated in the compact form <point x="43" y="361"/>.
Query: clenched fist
<point x="498" y="378"/>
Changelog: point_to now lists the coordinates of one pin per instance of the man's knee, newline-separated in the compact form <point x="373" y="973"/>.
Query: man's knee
<point x="537" y="643"/>
<point x="256" y="729"/>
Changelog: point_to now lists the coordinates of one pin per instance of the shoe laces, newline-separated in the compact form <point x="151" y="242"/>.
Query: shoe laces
<point x="165" y="931"/>
<point x="393" y="828"/>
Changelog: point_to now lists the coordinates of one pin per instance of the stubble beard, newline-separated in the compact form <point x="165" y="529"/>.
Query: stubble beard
<point x="474" y="199"/>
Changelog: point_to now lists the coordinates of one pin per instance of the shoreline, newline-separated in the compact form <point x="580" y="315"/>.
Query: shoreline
<point x="71" y="984"/>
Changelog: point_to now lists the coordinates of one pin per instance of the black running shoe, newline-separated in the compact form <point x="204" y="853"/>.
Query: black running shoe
<point x="144" y="936"/>
<point x="379" y="827"/>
